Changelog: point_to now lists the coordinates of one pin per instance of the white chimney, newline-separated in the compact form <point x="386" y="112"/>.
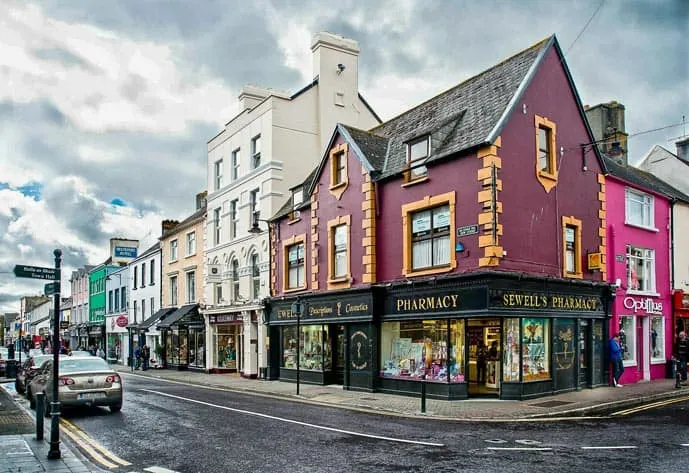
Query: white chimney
<point x="683" y="149"/>
<point x="250" y="96"/>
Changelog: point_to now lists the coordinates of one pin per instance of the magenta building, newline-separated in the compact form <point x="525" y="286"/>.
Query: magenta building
<point x="638" y="261"/>
<point x="461" y="244"/>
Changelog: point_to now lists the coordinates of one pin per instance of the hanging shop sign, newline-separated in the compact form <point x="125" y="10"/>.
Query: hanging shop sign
<point x="520" y="300"/>
<point x="647" y="305"/>
<point x="122" y="321"/>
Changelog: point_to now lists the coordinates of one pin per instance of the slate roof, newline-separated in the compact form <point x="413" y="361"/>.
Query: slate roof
<point x="186" y="222"/>
<point x="287" y="206"/>
<point x="464" y="116"/>
<point x="642" y="179"/>
<point x="374" y="147"/>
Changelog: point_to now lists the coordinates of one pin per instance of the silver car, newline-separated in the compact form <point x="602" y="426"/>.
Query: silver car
<point x="82" y="381"/>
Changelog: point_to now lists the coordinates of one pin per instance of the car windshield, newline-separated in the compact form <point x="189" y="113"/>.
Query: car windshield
<point x="4" y="353"/>
<point x="81" y="353"/>
<point x="39" y="360"/>
<point x="83" y="364"/>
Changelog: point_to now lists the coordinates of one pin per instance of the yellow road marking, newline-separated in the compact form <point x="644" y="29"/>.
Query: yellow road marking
<point x="646" y="407"/>
<point x="71" y="428"/>
<point x="94" y="455"/>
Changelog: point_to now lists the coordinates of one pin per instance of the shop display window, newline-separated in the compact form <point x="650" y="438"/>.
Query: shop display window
<point x="628" y="340"/>
<point x="314" y="350"/>
<point x="457" y="349"/>
<point x="197" y="347"/>
<point x="225" y="347"/>
<point x="535" y="349"/>
<point x="657" y="342"/>
<point x="289" y="347"/>
<point x="415" y="349"/>
<point x="510" y="362"/>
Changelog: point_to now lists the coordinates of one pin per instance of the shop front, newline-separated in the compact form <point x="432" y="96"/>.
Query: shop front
<point x="147" y="333"/>
<point x="644" y="323"/>
<point x="510" y="337"/>
<point x="184" y="338"/>
<point x="96" y="335"/>
<point x="680" y="305"/>
<point x="116" y="349"/>
<point x="226" y="342"/>
<point x="324" y="339"/>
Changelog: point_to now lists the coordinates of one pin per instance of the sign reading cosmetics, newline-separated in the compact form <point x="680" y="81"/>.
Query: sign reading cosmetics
<point x="344" y="308"/>
<point x="647" y="305"/>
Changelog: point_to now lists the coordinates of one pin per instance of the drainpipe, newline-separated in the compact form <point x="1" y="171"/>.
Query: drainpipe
<point x="672" y="273"/>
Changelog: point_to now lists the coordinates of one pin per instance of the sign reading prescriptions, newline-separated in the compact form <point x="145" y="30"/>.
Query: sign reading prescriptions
<point x="647" y="305"/>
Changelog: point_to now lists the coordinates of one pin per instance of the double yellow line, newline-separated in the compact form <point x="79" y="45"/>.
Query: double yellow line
<point x="652" y="405"/>
<point x="95" y="450"/>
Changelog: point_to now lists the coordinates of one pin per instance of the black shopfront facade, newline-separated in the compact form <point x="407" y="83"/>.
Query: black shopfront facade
<point x="335" y="336"/>
<point x="538" y="336"/>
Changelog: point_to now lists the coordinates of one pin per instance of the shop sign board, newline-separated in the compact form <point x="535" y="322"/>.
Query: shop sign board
<point x="122" y="321"/>
<point x="224" y="318"/>
<point x="125" y="252"/>
<point x="51" y="288"/>
<point x="440" y="301"/>
<point x="647" y="305"/>
<point x="64" y="324"/>
<point x="520" y="300"/>
<point x="36" y="272"/>
<point x="355" y="306"/>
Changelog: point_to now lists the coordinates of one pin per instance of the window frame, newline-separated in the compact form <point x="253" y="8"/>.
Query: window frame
<point x="174" y="288"/>
<point x="337" y="188"/>
<point x="110" y="301"/>
<point x="630" y="335"/>
<point x="255" y="275"/>
<point x="191" y="238"/>
<point x="123" y="299"/>
<point x="571" y="222"/>
<point x="234" y="278"/>
<point x="190" y="283"/>
<point x="408" y="210"/>
<point x="234" y="206"/>
<point x="339" y="281"/>
<point x="217" y="225"/>
<point x="648" y="203"/>
<point x="136" y="310"/>
<point x="217" y="174"/>
<point x="256" y="156"/>
<point x="253" y="204"/>
<point x="152" y="272"/>
<point x="217" y="293"/>
<point x="286" y="245"/>
<point x="651" y="270"/>
<point x="547" y="178"/>
<point x="174" y="248"/>
<point x="116" y="299"/>
<point x="236" y="157"/>
<point x="143" y="274"/>
<point x="136" y="278"/>
<point x="412" y="165"/>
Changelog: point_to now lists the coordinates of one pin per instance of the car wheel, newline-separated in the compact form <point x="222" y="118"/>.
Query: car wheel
<point x="18" y="387"/>
<point x="46" y="406"/>
<point x="32" y="401"/>
<point x="114" y="408"/>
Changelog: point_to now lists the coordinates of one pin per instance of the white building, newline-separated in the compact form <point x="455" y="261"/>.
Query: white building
<point x="80" y="307"/>
<point x="116" y="316"/>
<point x="269" y="147"/>
<point x="39" y="321"/>
<point x="145" y="308"/>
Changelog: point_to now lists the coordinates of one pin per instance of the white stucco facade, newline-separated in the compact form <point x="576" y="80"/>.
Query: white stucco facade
<point x="116" y="316"/>
<point x="667" y="166"/>
<point x="144" y="285"/>
<point x="293" y="132"/>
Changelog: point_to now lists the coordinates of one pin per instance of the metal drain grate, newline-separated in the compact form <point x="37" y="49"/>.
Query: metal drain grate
<point x="368" y="398"/>
<point x="551" y="404"/>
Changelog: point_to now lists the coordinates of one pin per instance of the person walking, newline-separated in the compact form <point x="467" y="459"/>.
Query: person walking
<point x="137" y="358"/>
<point x="616" y="359"/>
<point x="481" y="355"/>
<point x="682" y="354"/>
<point x="145" y="356"/>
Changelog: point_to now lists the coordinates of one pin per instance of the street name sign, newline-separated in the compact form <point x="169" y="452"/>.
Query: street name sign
<point x="35" y="272"/>
<point x="51" y="288"/>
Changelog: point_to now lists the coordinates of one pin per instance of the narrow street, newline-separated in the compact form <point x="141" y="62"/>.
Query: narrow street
<point x="193" y="429"/>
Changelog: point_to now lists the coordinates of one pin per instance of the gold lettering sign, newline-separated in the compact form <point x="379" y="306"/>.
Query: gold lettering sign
<point x="535" y="301"/>
<point x="427" y="303"/>
<point x="285" y="314"/>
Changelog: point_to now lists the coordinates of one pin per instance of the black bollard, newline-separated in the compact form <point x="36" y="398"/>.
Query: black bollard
<point x="40" y="409"/>
<point x="677" y="374"/>
<point x="423" y="395"/>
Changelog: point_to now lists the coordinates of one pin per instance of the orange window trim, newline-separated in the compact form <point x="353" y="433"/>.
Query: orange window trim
<point x="343" y="281"/>
<point x="296" y="239"/>
<point x="547" y="179"/>
<point x="412" y="207"/>
<point x="338" y="188"/>
<point x="572" y="222"/>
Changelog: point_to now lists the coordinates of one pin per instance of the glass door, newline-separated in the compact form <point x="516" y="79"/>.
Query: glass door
<point x="339" y="354"/>
<point x="584" y="358"/>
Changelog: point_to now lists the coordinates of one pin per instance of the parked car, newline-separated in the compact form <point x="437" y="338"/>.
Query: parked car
<point x="82" y="381"/>
<point x="35" y="351"/>
<point x="26" y="372"/>
<point x="4" y="356"/>
<point x="81" y="353"/>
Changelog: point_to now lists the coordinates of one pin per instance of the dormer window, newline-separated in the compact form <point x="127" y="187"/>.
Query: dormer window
<point x="297" y="197"/>
<point x="417" y="153"/>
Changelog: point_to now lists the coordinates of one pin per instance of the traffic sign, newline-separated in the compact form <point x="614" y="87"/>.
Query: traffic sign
<point x="35" y="272"/>
<point x="51" y="288"/>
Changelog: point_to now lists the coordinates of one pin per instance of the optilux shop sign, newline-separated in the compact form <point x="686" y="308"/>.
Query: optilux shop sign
<point x="647" y="305"/>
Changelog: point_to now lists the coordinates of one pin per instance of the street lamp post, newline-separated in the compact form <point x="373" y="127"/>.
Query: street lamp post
<point x="54" y="452"/>
<point x="256" y="230"/>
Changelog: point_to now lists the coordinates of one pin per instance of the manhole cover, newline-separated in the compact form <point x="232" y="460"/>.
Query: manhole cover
<point x="551" y="404"/>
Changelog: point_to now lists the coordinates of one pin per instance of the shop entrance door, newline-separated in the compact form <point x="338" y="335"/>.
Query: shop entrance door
<point x="338" y="354"/>
<point x="584" y="349"/>
<point x="641" y="342"/>
<point x="484" y="336"/>
<point x="240" y="349"/>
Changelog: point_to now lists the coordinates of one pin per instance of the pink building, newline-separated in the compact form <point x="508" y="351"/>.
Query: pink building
<point x="638" y="238"/>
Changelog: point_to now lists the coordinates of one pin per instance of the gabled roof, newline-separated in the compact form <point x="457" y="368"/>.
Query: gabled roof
<point x="661" y="152"/>
<point x="643" y="179"/>
<point x="155" y="247"/>
<point x="193" y="218"/>
<point x="287" y="207"/>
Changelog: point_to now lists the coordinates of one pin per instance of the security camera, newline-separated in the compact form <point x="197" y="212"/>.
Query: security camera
<point x="340" y="68"/>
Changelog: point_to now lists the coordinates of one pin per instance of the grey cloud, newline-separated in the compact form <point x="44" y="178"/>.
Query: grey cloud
<point x="62" y="56"/>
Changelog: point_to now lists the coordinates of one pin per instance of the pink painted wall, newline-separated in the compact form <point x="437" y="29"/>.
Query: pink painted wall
<point x="619" y="235"/>
<point x="287" y="230"/>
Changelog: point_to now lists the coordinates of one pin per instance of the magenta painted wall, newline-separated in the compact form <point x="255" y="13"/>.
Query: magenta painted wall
<point x="287" y="230"/>
<point x="619" y="235"/>
<point x="532" y="218"/>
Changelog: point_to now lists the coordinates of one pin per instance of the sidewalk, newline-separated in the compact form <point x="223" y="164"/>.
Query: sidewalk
<point x="19" y="449"/>
<point x="587" y="402"/>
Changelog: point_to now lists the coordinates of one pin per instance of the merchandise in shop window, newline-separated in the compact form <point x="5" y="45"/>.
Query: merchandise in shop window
<point x="312" y="355"/>
<point x="535" y="350"/>
<point x="289" y="344"/>
<point x="510" y="366"/>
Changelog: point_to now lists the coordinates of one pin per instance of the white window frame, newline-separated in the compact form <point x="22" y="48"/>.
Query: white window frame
<point x="190" y="276"/>
<point x="143" y="274"/>
<point x="648" y="204"/>
<point x="255" y="275"/>
<point x="299" y="266"/>
<point x="630" y="334"/>
<point x="417" y="171"/>
<point x="136" y="310"/>
<point x="234" y="208"/>
<point x="256" y="155"/>
<point x="341" y="249"/>
<point x="661" y="334"/>
<point x="648" y="257"/>
<point x="234" y="277"/>
<point x="236" y="157"/>
<point x="191" y="242"/>
<point x="174" y="288"/>
<point x="217" y="174"/>
<point x="432" y="237"/>
<point x="253" y="204"/>
<point x="173" y="250"/>
<point x="217" y="293"/>
<point x="297" y="197"/>
<point x="216" y="226"/>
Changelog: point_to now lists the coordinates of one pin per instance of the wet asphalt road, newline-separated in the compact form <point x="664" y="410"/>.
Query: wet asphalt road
<point x="192" y="429"/>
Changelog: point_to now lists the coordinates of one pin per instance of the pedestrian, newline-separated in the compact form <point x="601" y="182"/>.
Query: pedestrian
<point x="100" y="353"/>
<point x="682" y="349"/>
<point x="616" y="359"/>
<point x="137" y="358"/>
<point x="481" y="354"/>
<point x="145" y="356"/>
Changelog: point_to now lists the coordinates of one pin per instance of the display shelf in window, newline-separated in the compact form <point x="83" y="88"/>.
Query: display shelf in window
<point x="535" y="350"/>
<point x="510" y="365"/>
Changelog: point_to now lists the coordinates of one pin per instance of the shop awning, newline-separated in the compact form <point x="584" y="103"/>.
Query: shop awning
<point x="160" y="315"/>
<point x="181" y="316"/>
<point x="36" y="322"/>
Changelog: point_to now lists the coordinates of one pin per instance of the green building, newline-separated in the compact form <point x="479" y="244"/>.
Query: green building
<point x="96" y="325"/>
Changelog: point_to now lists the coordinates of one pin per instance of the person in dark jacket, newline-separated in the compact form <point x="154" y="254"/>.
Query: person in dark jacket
<point x="683" y="354"/>
<point x="615" y="350"/>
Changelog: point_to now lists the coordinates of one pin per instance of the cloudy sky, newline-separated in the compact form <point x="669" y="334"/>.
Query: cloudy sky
<point x="106" y="106"/>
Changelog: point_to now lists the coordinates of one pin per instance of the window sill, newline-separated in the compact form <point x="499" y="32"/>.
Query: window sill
<point x="642" y="227"/>
<point x="292" y="222"/>
<point x="632" y="292"/>
<point x="339" y="279"/>
<point x="657" y="361"/>
<point x="420" y="180"/>
<point x="189" y="256"/>
<point x="172" y="261"/>
<point x="429" y="271"/>
<point x="294" y="289"/>
<point x="547" y="175"/>
<point x="574" y="275"/>
<point x="337" y="186"/>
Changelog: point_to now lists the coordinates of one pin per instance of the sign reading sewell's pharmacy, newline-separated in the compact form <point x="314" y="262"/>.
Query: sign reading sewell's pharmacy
<point x="514" y="299"/>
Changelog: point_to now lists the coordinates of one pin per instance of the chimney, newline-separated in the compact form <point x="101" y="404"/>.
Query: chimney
<point x="607" y="123"/>
<point x="201" y="200"/>
<point x="683" y="149"/>
<point x="250" y="96"/>
<point x="169" y="225"/>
